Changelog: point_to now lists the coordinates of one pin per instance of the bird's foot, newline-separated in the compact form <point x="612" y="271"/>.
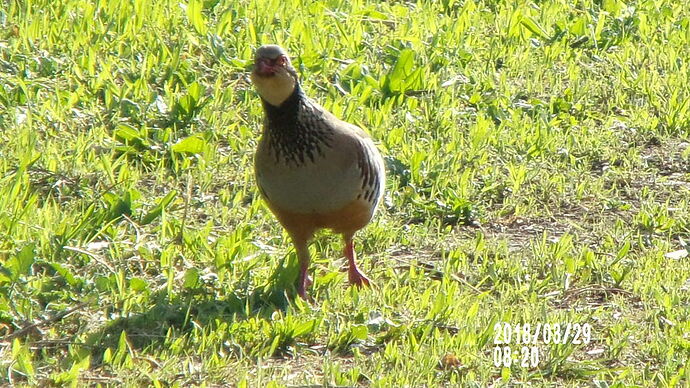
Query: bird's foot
<point x="303" y="286"/>
<point x="357" y="278"/>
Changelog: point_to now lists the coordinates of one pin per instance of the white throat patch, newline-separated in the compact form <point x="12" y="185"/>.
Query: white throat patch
<point x="275" y="89"/>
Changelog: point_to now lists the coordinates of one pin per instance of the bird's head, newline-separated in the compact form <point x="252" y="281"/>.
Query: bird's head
<point x="273" y="76"/>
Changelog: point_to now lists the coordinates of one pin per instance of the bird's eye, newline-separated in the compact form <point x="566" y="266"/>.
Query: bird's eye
<point x="281" y="60"/>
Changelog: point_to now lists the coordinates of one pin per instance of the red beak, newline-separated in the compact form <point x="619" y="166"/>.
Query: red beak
<point x="264" y="66"/>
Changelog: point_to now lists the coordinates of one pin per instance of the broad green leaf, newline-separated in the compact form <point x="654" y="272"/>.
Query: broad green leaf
<point x="473" y="310"/>
<point x="127" y="133"/>
<point x="624" y="250"/>
<point x="26" y="258"/>
<point x="579" y="28"/>
<point x="224" y="23"/>
<point x="191" y="278"/>
<point x="274" y="345"/>
<point x="103" y="283"/>
<point x="5" y="275"/>
<point x="119" y="205"/>
<point x="614" y="7"/>
<point x="534" y="27"/>
<point x="371" y="81"/>
<point x="414" y="80"/>
<point x="306" y="328"/>
<point x="107" y="355"/>
<point x="195" y="16"/>
<point x="20" y="264"/>
<point x="193" y="144"/>
<point x="374" y="14"/>
<point x="189" y="103"/>
<point x="359" y="332"/>
<point x="158" y="209"/>
<point x="402" y="69"/>
<point x="138" y="284"/>
<point x="196" y="91"/>
<point x="66" y="273"/>
<point x="601" y="23"/>
<point x="505" y="374"/>
<point x="30" y="160"/>
<point x="22" y="358"/>
<point x="514" y="23"/>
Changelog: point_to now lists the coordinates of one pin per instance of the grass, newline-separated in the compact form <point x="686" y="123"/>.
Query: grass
<point x="539" y="170"/>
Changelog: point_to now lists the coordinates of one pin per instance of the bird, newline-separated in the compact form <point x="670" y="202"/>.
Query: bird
<point x="313" y="170"/>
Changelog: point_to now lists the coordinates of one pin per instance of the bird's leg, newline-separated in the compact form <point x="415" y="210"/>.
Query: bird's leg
<point x="356" y="277"/>
<point x="304" y="280"/>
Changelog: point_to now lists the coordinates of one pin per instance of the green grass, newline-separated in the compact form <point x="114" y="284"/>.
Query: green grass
<point x="538" y="157"/>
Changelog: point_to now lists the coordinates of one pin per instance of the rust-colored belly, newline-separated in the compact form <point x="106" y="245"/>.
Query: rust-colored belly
<point x="349" y="219"/>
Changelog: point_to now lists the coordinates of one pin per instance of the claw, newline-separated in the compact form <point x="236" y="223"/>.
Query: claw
<point x="354" y="275"/>
<point x="303" y="284"/>
<point x="357" y="278"/>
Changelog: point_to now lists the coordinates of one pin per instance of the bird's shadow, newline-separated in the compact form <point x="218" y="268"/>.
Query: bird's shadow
<point x="193" y="308"/>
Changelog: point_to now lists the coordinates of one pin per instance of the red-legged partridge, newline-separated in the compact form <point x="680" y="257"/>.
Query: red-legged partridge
<point x="313" y="170"/>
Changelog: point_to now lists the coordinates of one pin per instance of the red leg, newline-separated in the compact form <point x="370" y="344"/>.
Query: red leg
<point x="356" y="277"/>
<point x="303" y="280"/>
